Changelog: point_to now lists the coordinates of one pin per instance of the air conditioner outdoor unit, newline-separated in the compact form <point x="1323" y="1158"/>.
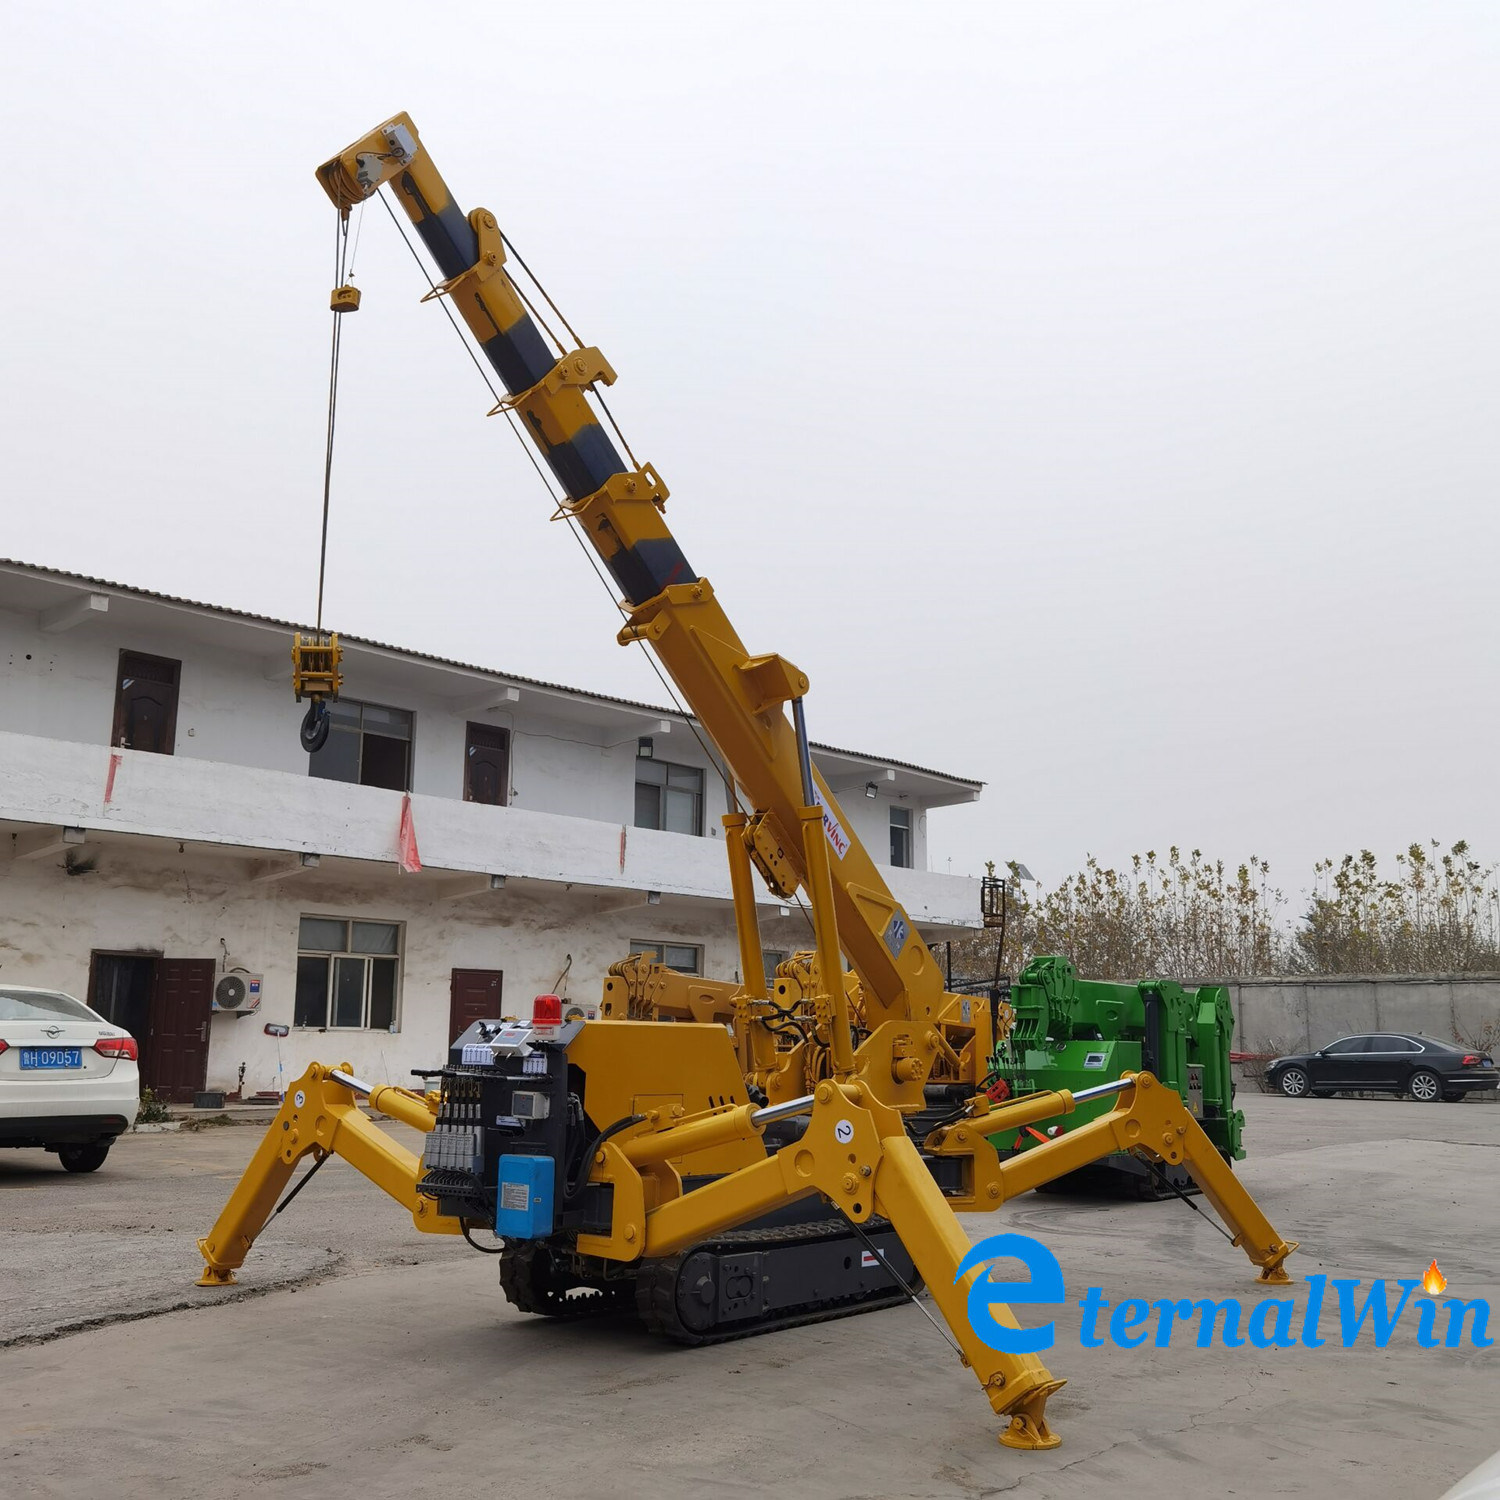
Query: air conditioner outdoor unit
<point x="238" y="993"/>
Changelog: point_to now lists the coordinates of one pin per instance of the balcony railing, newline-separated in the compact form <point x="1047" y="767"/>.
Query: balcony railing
<point x="62" y="783"/>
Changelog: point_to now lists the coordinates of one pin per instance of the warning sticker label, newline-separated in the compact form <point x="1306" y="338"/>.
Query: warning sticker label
<point x="868" y="1260"/>
<point x="515" y="1196"/>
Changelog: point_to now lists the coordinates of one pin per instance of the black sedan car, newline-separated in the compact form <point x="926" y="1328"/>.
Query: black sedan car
<point x="1386" y="1062"/>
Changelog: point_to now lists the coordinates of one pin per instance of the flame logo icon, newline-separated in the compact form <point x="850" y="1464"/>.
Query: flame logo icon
<point x="1434" y="1283"/>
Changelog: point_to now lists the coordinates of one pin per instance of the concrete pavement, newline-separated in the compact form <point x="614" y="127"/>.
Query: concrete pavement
<point x="393" y="1366"/>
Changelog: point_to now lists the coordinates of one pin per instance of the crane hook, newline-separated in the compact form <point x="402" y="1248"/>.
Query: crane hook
<point x="315" y="726"/>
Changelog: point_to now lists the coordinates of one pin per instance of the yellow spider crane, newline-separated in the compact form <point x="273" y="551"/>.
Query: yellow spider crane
<point x="621" y="1160"/>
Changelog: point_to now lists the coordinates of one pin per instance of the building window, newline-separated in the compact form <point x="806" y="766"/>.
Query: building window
<point x="901" y="837"/>
<point x="367" y="744"/>
<point x="348" y="974"/>
<point x="487" y="765"/>
<point x="668" y="797"/>
<point x="686" y="958"/>
<point x="769" y="958"/>
<point x="146" y="703"/>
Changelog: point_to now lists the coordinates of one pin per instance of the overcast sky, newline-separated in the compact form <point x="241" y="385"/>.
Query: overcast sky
<point x="1097" y="400"/>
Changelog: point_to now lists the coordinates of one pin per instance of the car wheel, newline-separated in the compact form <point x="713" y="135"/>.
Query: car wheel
<point x="1424" y="1087"/>
<point x="84" y="1158"/>
<point x="1293" y="1083"/>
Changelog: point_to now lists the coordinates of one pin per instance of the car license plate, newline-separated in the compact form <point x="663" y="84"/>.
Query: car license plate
<point x="51" y="1057"/>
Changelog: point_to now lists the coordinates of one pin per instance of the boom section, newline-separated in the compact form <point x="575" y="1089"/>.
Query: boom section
<point x="619" y="506"/>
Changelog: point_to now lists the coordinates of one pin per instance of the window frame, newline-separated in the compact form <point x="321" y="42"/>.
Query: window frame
<point x="908" y="828"/>
<point x="770" y="957"/>
<point x="656" y="948"/>
<point x="662" y="787"/>
<point x="1362" y="1038"/>
<point x="359" y="767"/>
<point x="332" y="958"/>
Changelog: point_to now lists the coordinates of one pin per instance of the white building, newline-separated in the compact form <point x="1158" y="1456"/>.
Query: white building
<point x="161" y="827"/>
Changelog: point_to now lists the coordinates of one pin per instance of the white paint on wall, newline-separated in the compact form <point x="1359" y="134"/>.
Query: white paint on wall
<point x="197" y="906"/>
<point x="570" y="754"/>
<point x="197" y="854"/>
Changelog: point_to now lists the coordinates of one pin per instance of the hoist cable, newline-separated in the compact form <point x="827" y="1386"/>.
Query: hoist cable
<point x="709" y="751"/>
<point x="546" y="296"/>
<point x="624" y="441"/>
<point x="359" y="224"/>
<point x="537" y="318"/>
<point x="713" y="758"/>
<point x="341" y="233"/>
<point x="520" y="261"/>
<point x="484" y="374"/>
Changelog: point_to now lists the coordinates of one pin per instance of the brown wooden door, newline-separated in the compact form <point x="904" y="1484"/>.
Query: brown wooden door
<point x="146" y="703"/>
<point x="475" y="996"/>
<point x="174" y="1052"/>
<point x="487" y="764"/>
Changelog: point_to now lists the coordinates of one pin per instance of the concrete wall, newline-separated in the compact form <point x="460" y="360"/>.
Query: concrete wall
<point x="201" y="907"/>
<point x="62" y="687"/>
<point x="869" y="819"/>
<point x="59" y="782"/>
<point x="196" y="854"/>
<point x="149" y="899"/>
<point x="568" y="755"/>
<point x="1296" y="1015"/>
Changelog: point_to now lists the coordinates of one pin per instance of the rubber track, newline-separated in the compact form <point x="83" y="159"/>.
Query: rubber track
<point x="656" y="1286"/>
<point x="521" y="1291"/>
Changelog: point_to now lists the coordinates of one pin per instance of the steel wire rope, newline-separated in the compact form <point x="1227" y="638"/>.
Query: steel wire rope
<point x="536" y="282"/>
<point x="560" y="501"/>
<point x="546" y="296"/>
<point x="546" y="327"/>
<point x="359" y="224"/>
<point x="901" y="1281"/>
<point x="340" y="247"/>
<point x="1159" y="1173"/>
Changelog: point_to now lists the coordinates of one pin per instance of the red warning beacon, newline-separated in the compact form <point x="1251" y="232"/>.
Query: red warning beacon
<point x="546" y="1010"/>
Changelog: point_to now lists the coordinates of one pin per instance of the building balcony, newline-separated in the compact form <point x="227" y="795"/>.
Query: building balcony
<point x="57" y="794"/>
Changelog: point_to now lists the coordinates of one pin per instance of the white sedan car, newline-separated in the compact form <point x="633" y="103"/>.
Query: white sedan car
<point x="69" y="1081"/>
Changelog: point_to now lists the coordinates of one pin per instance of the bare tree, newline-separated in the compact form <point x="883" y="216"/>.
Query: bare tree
<point x="1439" y="915"/>
<point x="1182" y="917"/>
<point x="1192" y="917"/>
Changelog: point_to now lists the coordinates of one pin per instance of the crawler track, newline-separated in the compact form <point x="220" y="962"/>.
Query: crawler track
<point x="752" y="1281"/>
<point x="533" y="1283"/>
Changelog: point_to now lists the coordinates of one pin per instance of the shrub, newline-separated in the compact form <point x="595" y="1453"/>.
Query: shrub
<point x="152" y="1110"/>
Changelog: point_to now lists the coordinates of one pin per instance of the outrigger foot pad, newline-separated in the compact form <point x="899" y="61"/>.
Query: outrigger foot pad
<point x="1273" y="1273"/>
<point x="1026" y="1431"/>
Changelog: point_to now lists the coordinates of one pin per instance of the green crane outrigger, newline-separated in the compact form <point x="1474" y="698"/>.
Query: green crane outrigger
<point x="1069" y="1033"/>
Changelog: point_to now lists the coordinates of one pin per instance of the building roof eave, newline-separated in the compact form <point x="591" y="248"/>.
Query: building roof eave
<point x="945" y="788"/>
